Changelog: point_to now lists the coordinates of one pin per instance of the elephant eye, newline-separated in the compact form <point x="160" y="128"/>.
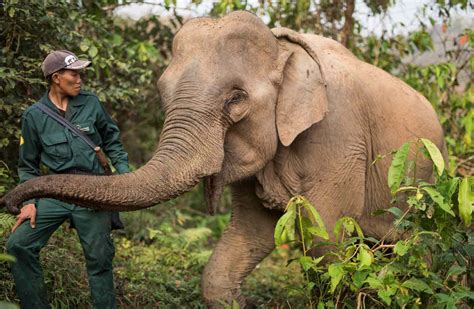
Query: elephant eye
<point x="236" y="97"/>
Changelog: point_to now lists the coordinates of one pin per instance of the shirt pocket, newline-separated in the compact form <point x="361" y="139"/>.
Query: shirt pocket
<point x="90" y="131"/>
<point x="56" y="145"/>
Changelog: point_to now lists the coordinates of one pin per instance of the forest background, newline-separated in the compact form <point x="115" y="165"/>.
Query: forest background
<point x="162" y="251"/>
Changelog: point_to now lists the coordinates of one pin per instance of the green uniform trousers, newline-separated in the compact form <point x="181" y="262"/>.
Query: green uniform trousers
<point x="93" y="229"/>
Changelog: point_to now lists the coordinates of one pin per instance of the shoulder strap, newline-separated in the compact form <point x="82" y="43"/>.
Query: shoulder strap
<point x="65" y="123"/>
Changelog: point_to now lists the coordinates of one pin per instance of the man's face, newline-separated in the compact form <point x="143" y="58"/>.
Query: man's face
<point x="69" y="81"/>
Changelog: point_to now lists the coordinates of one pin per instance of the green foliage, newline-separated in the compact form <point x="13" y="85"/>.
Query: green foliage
<point x="128" y="58"/>
<point x="159" y="261"/>
<point x="430" y="265"/>
<point x="125" y="60"/>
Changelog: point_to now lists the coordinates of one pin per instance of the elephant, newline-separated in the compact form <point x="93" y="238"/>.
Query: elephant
<point x="272" y="113"/>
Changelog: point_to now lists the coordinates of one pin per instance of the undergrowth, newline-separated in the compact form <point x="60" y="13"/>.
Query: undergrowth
<point x="429" y="266"/>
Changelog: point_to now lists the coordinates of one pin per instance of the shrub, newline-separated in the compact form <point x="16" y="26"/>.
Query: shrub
<point x="431" y="265"/>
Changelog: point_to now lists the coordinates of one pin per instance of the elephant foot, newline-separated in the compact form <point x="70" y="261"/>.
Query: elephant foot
<point x="221" y="302"/>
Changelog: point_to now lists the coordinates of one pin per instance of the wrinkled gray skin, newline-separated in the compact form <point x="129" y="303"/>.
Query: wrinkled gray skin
<point x="253" y="109"/>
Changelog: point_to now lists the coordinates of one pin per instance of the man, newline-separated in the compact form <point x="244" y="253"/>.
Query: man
<point x="44" y="140"/>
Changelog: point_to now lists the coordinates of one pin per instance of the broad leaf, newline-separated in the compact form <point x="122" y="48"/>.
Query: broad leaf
<point x="285" y="227"/>
<point x="359" y="277"/>
<point x="435" y="155"/>
<point x="401" y="248"/>
<point x="417" y="285"/>
<point x="466" y="201"/>
<point x="6" y="257"/>
<point x="93" y="51"/>
<point x="397" y="168"/>
<point x="315" y="218"/>
<point x="336" y="272"/>
<point x="455" y="270"/>
<point x="319" y="232"/>
<point x="306" y="262"/>
<point x="438" y="198"/>
<point x="387" y="294"/>
<point x="365" y="257"/>
<point x="349" y="225"/>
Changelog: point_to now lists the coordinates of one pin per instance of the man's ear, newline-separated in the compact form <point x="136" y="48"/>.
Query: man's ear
<point x="302" y="98"/>
<point x="55" y="78"/>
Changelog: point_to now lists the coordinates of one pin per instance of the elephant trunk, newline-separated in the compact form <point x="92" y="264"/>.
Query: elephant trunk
<point x="188" y="151"/>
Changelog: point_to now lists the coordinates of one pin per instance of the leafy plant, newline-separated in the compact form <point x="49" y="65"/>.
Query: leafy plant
<point x="430" y="264"/>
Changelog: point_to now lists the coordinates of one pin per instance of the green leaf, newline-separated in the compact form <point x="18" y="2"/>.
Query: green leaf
<point x="235" y="304"/>
<point x="349" y="225"/>
<point x="117" y="40"/>
<point x="374" y="283"/>
<point x="397" y="168"/>
<point x="6" y="257"/>
<point x="438" y="198"/>
<point x="435" y="155"/>
<point x="84" y="45"/>
<point x="397" y="212"/>
<point x="315" y="218"/>
<point x="359" y="277"/>
<point x="306" y="262"/>
<point x="285" y="227"/>
<point x="455" y="270"/>
<point x="336" y="272"/>
<point x="445" y="299"/>
<point x="11" y="12"/>
<point x="93" y="51"/>
<point x="465" y="202"/>
<point x="401" y="247"/>
<point x="365" y="257"/>
<point x="319" y="232"/>
<point x="153" y="233"/>
<point x="417" y="285"/>
<point x="386" y="295"/>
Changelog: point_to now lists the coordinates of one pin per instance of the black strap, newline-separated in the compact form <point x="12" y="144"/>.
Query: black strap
<point x="65" y="123"/>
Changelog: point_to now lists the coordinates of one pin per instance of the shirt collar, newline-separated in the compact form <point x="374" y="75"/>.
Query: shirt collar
<point x="73" y="101"/>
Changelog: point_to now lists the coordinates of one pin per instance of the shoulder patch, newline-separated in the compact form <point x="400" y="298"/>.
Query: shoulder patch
<point x="22" y="141"/>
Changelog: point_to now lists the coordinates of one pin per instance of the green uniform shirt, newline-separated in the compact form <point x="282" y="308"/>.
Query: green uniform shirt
<point x="45" y="140"/>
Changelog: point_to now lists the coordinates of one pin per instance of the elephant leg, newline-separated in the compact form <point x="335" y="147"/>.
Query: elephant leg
<point x="246" y="242"/>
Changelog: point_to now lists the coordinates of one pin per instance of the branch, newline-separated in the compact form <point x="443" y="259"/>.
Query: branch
<point x="347" y="29"/>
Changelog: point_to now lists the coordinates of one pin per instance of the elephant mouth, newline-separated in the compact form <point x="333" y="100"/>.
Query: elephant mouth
<point x="213" y="188"/>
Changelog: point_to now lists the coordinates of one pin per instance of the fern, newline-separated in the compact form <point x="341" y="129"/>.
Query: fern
<point x="6" y="223"/>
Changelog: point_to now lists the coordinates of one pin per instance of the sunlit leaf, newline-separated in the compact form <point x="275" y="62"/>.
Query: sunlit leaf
<point x="365" y="257"/>
<point x="349" y="226"/>
<point x="397" y="168"/>
<point x="285" y="225"/>
<point x="7" y="257"/>
<point x="465" y="201"/>
<point x="93" y="51"/>
<point x="401" y="247"/>
<point x="438" y="199"/>
<point x="315" y="217"/>
<point x="84" y="45"/>
<point x="306" y="262"/>
<point x="336" y="272"/>
<point x="435" y="155"/>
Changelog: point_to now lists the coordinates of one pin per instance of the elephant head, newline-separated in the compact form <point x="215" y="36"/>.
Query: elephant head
<point x="233" y="93"/>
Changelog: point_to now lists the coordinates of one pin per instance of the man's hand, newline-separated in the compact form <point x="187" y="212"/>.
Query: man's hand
<point x="27" y="212"/>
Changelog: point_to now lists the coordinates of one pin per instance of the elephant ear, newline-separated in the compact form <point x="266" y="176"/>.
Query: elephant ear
<point x="302" y="98"/>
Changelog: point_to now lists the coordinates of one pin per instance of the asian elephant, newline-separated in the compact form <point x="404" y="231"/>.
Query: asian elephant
<point x="271" y="113"/>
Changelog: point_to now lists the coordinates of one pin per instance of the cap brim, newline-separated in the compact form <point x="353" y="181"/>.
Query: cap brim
<point x="79" y="64"/>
